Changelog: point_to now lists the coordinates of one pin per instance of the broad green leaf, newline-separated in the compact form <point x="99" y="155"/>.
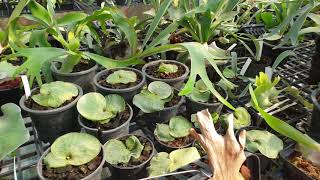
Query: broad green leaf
<point x="36" y="58"/>
<point x="17" y="11"/>
<point x="71" y="17"/>
<point x="75" y="148"/>
<point x="115" y="103"/>
<point x="162" y="132"/>
<point x="163" y="34"/>
<point x="314" y="17"/>
<point x="268" y="19"/>
<point x="241" y="118"/>
<point x="268" y="144"/>
<point x="182" y="157"/>
<point x="39" y="12"/>
<point x="161" y="89"/>
<point x="39" y="38"/>
<point x="179" y="126"/>
<point x="201" y="86"/>
<point x="122" y="76"/>
<point x="93" y="106"/>
<point x="199" y="96"/>
<point x="56" y="93"/>
<point x="13" y="132"/>
<point x="134" y="146"/>
<point x="159" y="164"/>
<point x="148" y="102"/>
<point x="284" y="128"/>
<point x="167" y="68"/>
<point x="116" y="152"/>
<point x="6" y="70"/>
<point x="69" y="62"/>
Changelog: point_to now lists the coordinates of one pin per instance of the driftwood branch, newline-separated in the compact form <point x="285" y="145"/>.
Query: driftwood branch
<point x="225" y="153"/>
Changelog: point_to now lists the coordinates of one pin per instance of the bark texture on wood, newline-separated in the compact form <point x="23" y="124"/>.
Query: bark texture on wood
<point x="225" y="153"/>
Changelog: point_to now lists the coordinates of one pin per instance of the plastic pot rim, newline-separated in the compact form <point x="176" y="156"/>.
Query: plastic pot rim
<point x="98" y="75"/>
<point x="182" y="77"/>
<point x="51" y="111"/>
<point x="110" y="130"/>
<point x="54" y="69"/>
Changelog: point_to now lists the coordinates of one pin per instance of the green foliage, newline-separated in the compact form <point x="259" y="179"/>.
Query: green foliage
<point x="167" y="68"/>
<point x="200" y="93"/>
<point x="163" y="163"/>
<point x="284" y="128"/>
<point x="56" y="93"/>
<point x="241" y="118"/>
<point x="122" y="76"/>
<point x="178" y="127"/>
<point x="13" y="132"/>
<point x="72" y="149"/>
<point x="95" y="107"/>
<point x="263" y="141"/>
<point x="6" y="70"/>
<point x="119" y="152"/>
<point x="266" y="92"/>
<point x="153" y="98"/>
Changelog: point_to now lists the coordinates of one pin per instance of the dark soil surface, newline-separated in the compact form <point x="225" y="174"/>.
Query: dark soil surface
<point x="30" y="103"/>
<point x="72" y="172"/>
<point x="113" y="123"/>
<point x="11" y="84"/>
<point x="305" y="165"/>
<point x="153" y="71"/>
<point x="82" y="66"/>
<point x="174" y="101"/>
<point x="102" y="81"/>
<point x="175" y="38"/>
<point x="145" y="154"/>
<point x="291" y="113"/>
<point x="179" y="142"/>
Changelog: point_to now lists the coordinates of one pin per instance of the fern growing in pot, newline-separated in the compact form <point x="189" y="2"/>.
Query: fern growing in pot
<point x="52" y="108"/>
<point x="72" y="156"/>
<point x="126" y="82"/>
<point x="158" y="101"/>
<point x="128" y="155"/>
<point x="174" y="135"/>
<point x="104" y="117"/>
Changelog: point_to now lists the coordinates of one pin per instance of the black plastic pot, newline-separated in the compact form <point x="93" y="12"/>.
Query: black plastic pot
<point x="314" y="77"/>
<point x="194" y="106"/>
<point x="162" y="116"/>
<point x="50" y="124"/>
<point x="126" y="93"/>
<point x="175" y="82"/>
<point x="127" y="172"/>
<point x="291" y="171"/>
<point x="83" y="78"/>
<point x="255" y="67"/>
<point x="96" y="175"/>
<point x="10" y="95"/>
<point x="315" y="119"/>
<point x="165" y="148"/>
<point x="104" y="136"/>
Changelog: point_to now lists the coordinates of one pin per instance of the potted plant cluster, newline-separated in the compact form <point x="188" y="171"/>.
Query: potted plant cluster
<point x="174" y="135"/>
<point x="176" y="72"/>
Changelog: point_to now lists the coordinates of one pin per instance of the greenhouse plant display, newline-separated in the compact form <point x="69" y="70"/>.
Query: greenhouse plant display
<point x="172" y="72"/>
<point x="73" y="155"/>
<point x="128" y="155"/>
<point x="52" y="108"/>
<point x="174" y="135"/>
<point x="201" y="98"/>
<point x="158" y="101"/>
<point x="126" y="82"/>
<point x="9" y="86"/>
<point x="104" y="117"/>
